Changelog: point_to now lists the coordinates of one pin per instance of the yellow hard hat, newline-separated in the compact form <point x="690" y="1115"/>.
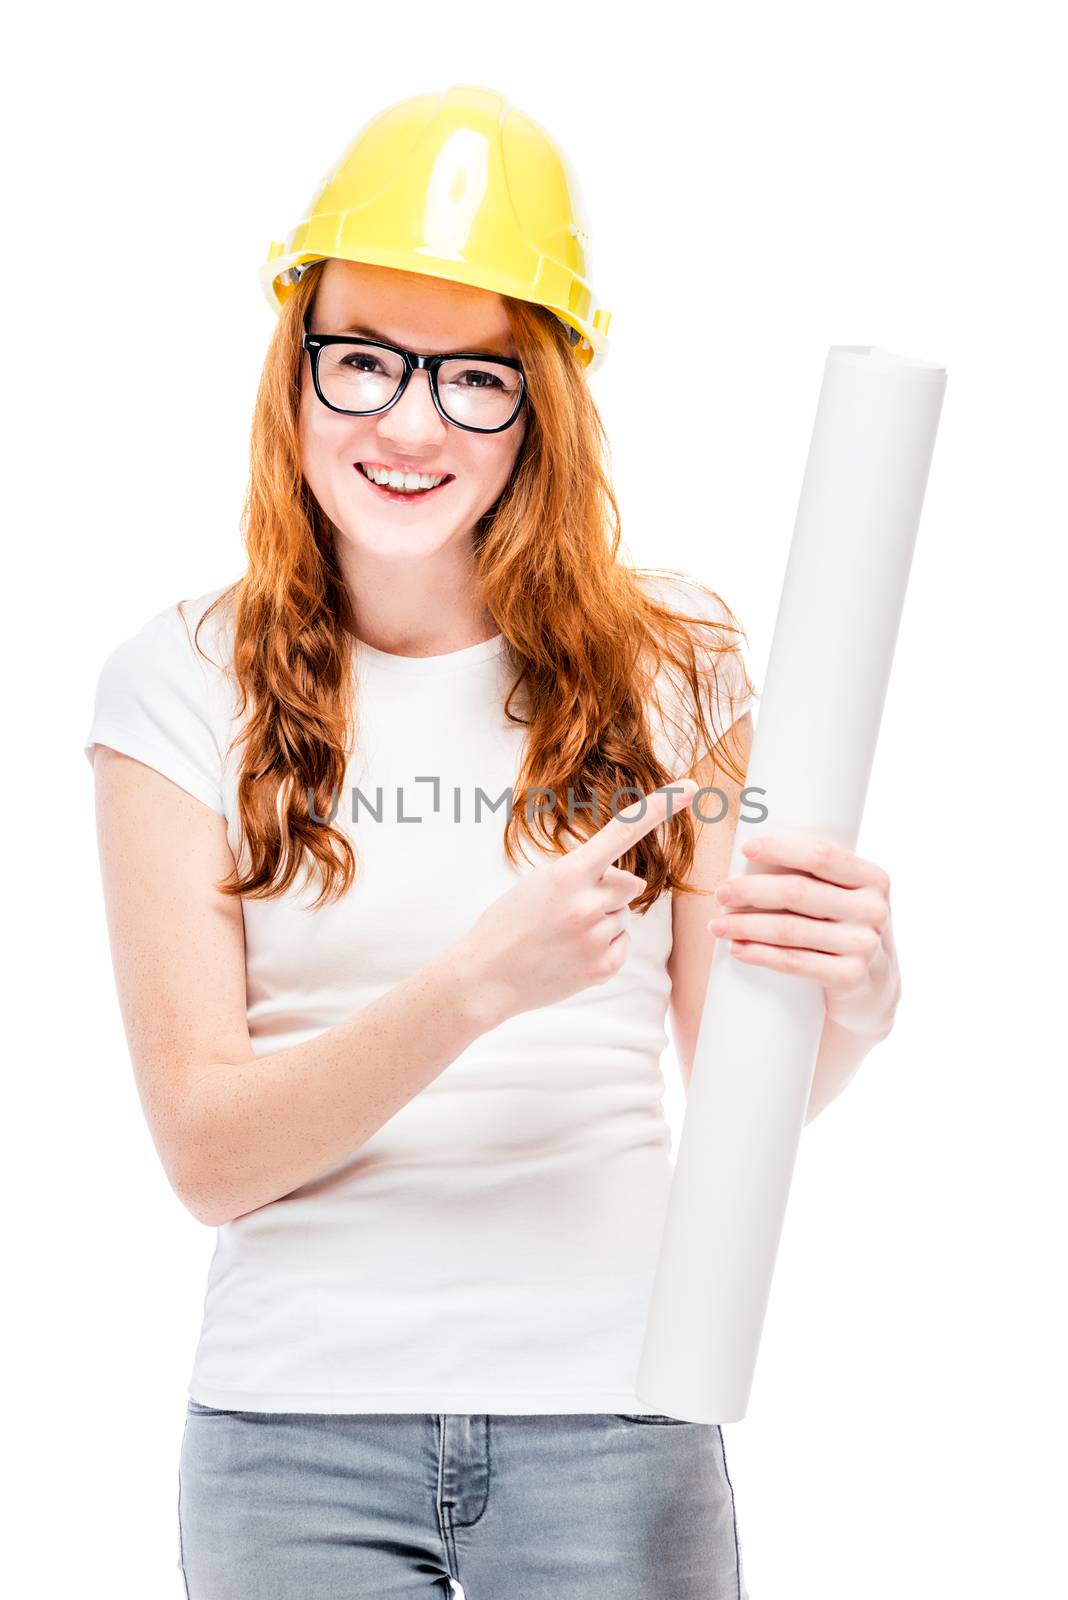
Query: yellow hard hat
<point x="462" y="186"/>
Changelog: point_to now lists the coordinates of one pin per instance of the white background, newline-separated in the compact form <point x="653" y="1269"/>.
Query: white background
<point x="763" y="182"/>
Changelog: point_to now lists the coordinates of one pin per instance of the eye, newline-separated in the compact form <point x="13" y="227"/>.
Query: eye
<point x="353" y="361"/>
<point x="483" y="380"/>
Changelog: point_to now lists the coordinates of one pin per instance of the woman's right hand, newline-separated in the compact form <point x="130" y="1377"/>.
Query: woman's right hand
<point x="561" y="928"/>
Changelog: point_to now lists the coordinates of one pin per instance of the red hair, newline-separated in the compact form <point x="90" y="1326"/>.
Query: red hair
<point x="583" y="635"/>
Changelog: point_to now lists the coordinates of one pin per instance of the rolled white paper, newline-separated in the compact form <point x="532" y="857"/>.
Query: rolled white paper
<point x="813" y="746"/>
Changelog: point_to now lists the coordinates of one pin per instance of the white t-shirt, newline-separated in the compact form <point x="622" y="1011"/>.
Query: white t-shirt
<point x="492" y="1247"/>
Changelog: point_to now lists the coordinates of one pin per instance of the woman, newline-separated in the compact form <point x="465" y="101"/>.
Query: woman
<point x="394" y="941"/>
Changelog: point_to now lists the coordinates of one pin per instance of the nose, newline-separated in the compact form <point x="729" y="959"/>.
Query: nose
<point x="413" y="418"/>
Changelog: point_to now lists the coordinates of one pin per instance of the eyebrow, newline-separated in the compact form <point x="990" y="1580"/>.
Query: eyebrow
<point x="371" y="333"/>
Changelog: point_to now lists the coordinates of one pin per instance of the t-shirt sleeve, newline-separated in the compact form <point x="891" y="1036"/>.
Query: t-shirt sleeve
<point x="722" y="661"/>
<point x="153" y="703"/>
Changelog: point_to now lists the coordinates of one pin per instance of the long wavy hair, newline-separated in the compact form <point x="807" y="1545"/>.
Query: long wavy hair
<point x="586" y="641"/>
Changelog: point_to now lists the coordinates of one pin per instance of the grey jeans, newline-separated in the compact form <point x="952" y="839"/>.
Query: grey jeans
<point x="391" y="1505"/>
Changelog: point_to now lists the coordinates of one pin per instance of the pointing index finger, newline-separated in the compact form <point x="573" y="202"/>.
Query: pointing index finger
<point x="629" y="825"/>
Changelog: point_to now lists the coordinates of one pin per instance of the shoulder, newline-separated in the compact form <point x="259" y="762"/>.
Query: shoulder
<point x="686" y="597"/>
<point x="719" y="660"/>
<point x="193" y="627"/>
<point x="713" y="631"/>
<point x="163" y="695"/>
<point x="172" y="644"/>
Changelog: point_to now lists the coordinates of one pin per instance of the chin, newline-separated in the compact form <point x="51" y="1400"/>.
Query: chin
<point x="386" y="542"/>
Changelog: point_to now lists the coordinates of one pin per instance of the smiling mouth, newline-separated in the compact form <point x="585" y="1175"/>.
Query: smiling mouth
<point x="402" y="494"/>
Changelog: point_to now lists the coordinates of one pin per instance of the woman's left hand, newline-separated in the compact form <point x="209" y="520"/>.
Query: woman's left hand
<point x="820" y="912"/>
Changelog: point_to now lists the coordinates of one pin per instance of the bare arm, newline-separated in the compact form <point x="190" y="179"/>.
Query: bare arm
<point x="235" y="1131"/>
<point x="840" y="1054"/>
<point x="841" y="1050"/>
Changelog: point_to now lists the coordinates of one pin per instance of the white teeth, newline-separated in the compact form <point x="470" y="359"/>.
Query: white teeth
<point x="409" y="481"/>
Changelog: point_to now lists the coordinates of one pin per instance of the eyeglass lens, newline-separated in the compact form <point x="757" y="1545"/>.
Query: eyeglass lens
<point x="363" y="377"/>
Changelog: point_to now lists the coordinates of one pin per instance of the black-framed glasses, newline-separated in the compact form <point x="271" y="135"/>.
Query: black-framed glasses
<point x="364" y="377"/>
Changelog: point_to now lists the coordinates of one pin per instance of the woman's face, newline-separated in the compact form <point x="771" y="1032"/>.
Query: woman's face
<point x="431" y="316"/>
